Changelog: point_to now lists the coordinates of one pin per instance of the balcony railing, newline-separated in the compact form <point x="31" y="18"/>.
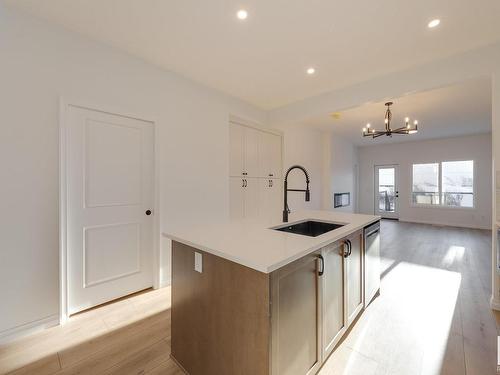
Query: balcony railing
<point x="447" y="198"/>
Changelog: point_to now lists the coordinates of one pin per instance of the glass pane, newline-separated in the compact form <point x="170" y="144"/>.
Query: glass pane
<point x="425" y="183"/>
<point x="458" y="183"/>
<point x="386" y="189"/>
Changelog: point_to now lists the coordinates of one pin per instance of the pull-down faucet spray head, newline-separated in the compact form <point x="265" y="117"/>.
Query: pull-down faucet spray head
<point x="307" y="192"/>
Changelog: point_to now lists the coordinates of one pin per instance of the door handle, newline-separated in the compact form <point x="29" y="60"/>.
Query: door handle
<point x="242" y="183"/>
<point x="148" y="212"/>
<point x="246" y="182"/>
<point x="320" y="273"/>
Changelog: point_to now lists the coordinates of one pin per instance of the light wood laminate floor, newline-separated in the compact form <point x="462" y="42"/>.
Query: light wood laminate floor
<point x="431" y="318"/>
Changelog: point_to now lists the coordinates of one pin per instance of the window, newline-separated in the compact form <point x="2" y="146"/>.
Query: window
<point x="457" y="184"/>
<point x="426" y="183"/>
<point x="450" y="183"/>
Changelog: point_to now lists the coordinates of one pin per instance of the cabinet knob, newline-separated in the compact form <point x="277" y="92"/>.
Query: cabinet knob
<point x="148" y="212"/>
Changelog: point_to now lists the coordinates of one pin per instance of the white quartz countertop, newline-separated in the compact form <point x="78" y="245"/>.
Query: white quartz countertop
<point x="253" y="244"/>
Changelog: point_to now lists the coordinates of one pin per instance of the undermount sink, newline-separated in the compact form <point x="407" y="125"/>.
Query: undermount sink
<point x="309" y="228"/>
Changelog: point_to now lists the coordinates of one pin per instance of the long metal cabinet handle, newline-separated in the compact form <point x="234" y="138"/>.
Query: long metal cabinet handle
<point x="346" y="252"/>
<point x="320" y="257"/>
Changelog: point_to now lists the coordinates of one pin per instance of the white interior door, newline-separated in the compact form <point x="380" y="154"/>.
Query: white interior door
<point x="387" y="191"/>
<point x="110" y="193"/>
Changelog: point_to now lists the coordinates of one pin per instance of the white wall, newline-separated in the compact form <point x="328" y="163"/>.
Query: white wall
<point x="330" y="161"/>
<point x="495" y="300"/>
<point x="341" y="172"/>
<point x="304" y="147"/>
<point x="40" y="63"/>
<point x="477" y="148"/>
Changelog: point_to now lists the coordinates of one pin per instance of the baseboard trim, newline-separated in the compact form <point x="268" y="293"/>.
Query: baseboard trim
<point x="443" y="224"/>
<point x="494" y="304"/>
<point x="15" y="333"/>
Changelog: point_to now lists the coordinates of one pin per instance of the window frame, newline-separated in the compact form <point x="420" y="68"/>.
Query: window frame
<point x="440" y="184"/>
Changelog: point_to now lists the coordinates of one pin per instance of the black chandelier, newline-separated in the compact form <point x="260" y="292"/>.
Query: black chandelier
<point x="368" y="131"/>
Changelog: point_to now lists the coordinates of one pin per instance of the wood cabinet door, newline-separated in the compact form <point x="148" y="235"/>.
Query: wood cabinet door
<point x="236" y="149"/>
<point x="333" y="282"/>
<point x="236" y="198"/>
<point x="296" y="318"/>
<point x="270" y="161"/>
<point x="354" y="271"/>
<point x="252" y="152"/>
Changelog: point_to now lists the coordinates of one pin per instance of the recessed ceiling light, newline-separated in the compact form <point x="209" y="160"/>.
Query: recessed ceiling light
<point x="242" y="14"/>
<point x="311" y="71"/>
<point x="433" y="23"/>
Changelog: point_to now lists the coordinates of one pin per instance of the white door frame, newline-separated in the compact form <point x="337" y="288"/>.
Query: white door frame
<point x="389" y="215"/>
<point x="64" y="103"/>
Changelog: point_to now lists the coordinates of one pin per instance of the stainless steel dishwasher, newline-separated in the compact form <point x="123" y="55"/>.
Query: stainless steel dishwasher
<point x="372" y="261"/>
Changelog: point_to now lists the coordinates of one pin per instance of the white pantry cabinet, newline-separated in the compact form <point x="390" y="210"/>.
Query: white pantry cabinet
<point x="255" y="197"/>
<point x="244" y="150"/>
<point x="270" y="196"/>
<point x="254" y="152"/>
<point x="270" y="155"/>
<point x="255" y="160"/>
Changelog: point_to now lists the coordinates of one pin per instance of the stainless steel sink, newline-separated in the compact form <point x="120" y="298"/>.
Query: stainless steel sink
<point x="309" y="228"/>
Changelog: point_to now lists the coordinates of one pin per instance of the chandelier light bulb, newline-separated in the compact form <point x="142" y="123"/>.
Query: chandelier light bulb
<point x="368" y="125"/>
<point x="364" y="130"/>
<point x="415" y="122"/>
<point x="407" y="119"/>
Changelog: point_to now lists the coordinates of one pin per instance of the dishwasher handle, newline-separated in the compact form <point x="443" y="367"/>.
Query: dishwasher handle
<point x="375" y="231"/>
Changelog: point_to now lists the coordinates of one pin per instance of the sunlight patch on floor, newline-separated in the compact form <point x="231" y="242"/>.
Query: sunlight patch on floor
<point x="406" y="329"/>
<point x="453" y="255"/>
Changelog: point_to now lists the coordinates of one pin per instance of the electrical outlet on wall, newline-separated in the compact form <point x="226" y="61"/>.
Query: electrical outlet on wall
<point x="198" y="262"/>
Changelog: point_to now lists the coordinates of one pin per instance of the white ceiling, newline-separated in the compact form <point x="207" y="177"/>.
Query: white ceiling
<point x="263" y="59"/>
<point x="456" y="110"/>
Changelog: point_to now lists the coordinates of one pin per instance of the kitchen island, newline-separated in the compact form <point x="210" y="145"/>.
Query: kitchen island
<point x="250" y="299"/>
